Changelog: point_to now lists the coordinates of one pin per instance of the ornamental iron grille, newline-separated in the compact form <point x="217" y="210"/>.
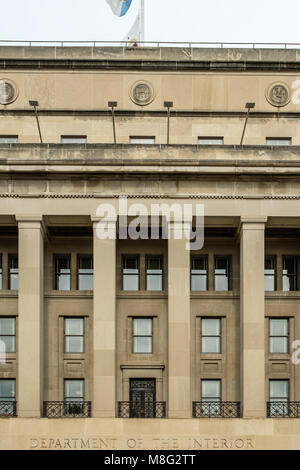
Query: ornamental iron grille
<point x="142" y="402"/>
<point x="67" y="409"/>
<point x="8" y="408"/>
<point x="216" y="409"/>
<point x="283" y="409"/>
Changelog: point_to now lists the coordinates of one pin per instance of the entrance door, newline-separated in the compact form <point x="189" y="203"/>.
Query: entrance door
<point x="142" y="398"/>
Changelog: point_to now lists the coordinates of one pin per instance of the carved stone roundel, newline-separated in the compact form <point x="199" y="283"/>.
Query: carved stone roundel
<point x="278" y="94"/>
<point x="142" y="93"/>
<point x="8" y="92"/>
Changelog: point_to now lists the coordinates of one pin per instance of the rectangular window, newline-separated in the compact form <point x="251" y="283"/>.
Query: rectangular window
<point x="7" y="397"/>
<point x="74" y="397"/>
<point x="154" y="272"/>
<point x="210" y="140"/>
<point x="13" y="272"/>
<point x="211" y="397"/>
<point x="290" y="279"/>
<point x="199" y="273"/>
<point x="74" y="335"/>
<point x="62" y="275"/>
<point x="222" y="273"/>
<point x="85" y="272"/>
<point x="270" y="273"/>
<point x="131" y="272"/>
<point x="142" y="140"/>
<point x="1" y="273"/>
<point x="7" y="335"/>
<point x="278" y="141"/>
<point x="142" y="335"/>
<point x="210" y="335"/>
<point x="279" y="335"/>
<point x="73" y="139"/>
<point x="8" y="139"/>
<point x="279" y="397"/>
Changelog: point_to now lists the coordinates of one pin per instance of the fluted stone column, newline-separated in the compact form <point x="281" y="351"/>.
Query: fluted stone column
<point x="104" y="322"/>
<point x="179" y="347"/>
<point x="252" y="294"/>
<point x="30" y="319"/>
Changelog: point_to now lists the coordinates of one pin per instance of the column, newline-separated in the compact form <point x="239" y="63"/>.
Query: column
<point x="104" y="321"/>
<point x="179" y="367"/>
<point x="252" y="294"/>
<point x="30" y="319"/>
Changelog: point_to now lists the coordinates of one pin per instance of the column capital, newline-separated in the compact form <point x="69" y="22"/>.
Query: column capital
<point x="31" y="221"/>
<point x="252" y="223"/>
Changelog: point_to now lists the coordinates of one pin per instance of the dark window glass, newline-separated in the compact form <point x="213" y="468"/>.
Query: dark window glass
<point x="13" y="272"/>
<point x="7" y="335"/>
<point x="85" y="272"/>
<point x="131" y="272"/>
<point x="210" y="335"/>
<point x="74" y="335"/>
<point x="278" y="335"/>
<point x="222" y="273"/>
<point x="199" y="275"/>
<point x="290" y="279"/>
<point x="154" y="273"/>
<point x="142" y="335"/>
<point x="270" y="273"/>
<point x="62" y="265"/>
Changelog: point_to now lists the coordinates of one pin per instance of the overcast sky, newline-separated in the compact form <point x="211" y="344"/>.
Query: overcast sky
<point x="166" y="20"/>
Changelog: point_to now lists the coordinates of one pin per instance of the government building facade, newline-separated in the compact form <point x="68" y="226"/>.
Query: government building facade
<point x="119" y="342"/>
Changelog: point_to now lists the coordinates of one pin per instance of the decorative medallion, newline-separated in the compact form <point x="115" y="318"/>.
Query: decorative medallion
<point x="142" y="93"/>
<point x="8" y="91"/>
<point x="278" y="94"/>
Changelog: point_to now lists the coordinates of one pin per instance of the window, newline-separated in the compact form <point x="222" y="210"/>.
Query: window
<point x="62" y="265"/>
<point x="211" y="397"/>
<point x="73" y="139"/>
<point x="270" y="273"/>
<point x="131" y="272"/>
<point x="1" y="273"/>
<point x="222" y="273"/>
<point x="13" y="272"/>
<point x="8" y="139"/>
<point x="74" y="397"/>
<point x="199" y="277"/>
<point x="290" y="273"/>
<point x="210" y="140"/>
<point x="8" y="334"/>
<point x="74" y="335"/>
<point x="142" y="140"/>
<point x="85" y="272"/>
<point x="7" y="397"/>
<point x="142" y="335"/>
<point x="278" y="335"/>
<point x="211" y="335"/>
<point x="154" y="272"/>
<point x="278" y="141"/>
<point x="279" y="397"/>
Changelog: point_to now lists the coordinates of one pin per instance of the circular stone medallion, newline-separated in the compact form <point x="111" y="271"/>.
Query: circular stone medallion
<point x="278" y="94"/>
<point x="142" y="93"/>
<point x="8" y="91"/>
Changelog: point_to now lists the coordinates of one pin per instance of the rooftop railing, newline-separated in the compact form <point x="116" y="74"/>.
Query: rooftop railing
<point x="153" y="44"/>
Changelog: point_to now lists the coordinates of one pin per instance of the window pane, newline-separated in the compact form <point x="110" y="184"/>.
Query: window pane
<point x="142" y="140"/>
<point x="199" y="263"/>
<point x="269" y="282"/>
<point x="211" y="389"/>
<point x="278" y="141"/>
<point x="8" y="345"/>
<point x="154" y="282"/>
<point x="142" y="344"/>
<point x="221" y="283"/>
<point x="74" y="344"/>
<point x="85" y="281"/>
<point x="7" y="326"/>
<point x="210" y="344"/>
<point x="63" y="264"/>
<point x="74" y="389"/>
<point x="210" y="140"/>
<point x="279" y="389"/>
<point x="73" y="139"/>
<point x="14" y="282"/>
<point x="278" y="345"/>
<point x="210" y="326"/>
<point x="198" y="282"/>
<point x="74" y="326"/>
<point x="64" y="282"/>
<point x="8" y="139"/>
<point x="7" y="388"/>
<point x="279" y="327"/>
<point x="130" y="282"/>
<point x="85" y="263"/>
<point x="142" y="326"/>
<point x="130" y="262"/>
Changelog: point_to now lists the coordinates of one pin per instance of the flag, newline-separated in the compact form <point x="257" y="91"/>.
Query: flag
<point x="134" y="34"/>
<point x="119" y="7"/>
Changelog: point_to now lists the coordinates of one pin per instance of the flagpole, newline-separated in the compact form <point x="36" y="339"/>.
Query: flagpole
<point x="142" y="21"/>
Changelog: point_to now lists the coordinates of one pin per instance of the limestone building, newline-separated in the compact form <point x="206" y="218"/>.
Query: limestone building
<point x="122" y="343"/>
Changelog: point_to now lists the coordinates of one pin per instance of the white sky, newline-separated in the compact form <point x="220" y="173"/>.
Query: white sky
<point x="166" y="20"/>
